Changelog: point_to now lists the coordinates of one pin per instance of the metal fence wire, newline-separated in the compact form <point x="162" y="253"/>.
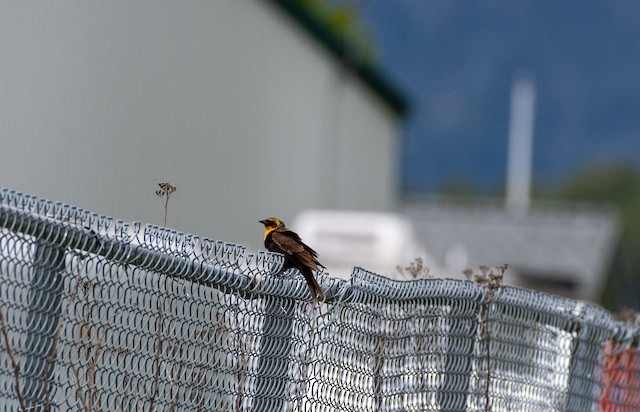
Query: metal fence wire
<point x="101" y="315"/>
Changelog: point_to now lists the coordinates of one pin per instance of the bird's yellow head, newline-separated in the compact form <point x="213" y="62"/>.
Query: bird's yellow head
<point x="271" y="224"/>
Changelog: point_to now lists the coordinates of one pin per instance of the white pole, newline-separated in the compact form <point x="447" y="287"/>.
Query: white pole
<point x="523" y="98"/>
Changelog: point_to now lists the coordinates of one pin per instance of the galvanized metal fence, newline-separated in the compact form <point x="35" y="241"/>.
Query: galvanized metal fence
<point x="101" y="315"/>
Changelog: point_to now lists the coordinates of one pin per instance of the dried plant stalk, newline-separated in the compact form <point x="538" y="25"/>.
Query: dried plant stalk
<point x="14" y="362"/>
<point x="165" y="192"/>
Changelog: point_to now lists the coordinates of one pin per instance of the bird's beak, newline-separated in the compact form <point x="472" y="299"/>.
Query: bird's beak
<point x="264" y="222"/>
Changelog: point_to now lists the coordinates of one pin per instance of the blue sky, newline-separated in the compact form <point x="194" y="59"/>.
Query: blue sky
<point x="456" y="61"/>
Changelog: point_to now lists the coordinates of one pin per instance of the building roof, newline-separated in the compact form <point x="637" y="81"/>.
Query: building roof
<point x="340" y="49"/>
<point x="560" y="246"/>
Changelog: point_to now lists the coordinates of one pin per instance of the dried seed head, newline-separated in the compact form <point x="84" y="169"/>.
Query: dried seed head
<point x="167" y="188"/>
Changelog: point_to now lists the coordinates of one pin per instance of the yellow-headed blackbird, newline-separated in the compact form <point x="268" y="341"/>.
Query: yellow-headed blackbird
<point x="278" y="238"/>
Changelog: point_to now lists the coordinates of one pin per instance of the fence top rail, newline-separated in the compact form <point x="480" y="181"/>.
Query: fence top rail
<point x="210" y="262"/>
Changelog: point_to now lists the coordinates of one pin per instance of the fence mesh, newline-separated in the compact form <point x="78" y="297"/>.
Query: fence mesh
<point x="101" y="315"/>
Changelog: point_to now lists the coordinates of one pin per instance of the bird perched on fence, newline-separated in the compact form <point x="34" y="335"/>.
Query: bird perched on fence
<point x="278" y="238"/>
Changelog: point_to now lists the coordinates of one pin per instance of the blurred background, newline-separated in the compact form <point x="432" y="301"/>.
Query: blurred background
<point x="462" y="133"/>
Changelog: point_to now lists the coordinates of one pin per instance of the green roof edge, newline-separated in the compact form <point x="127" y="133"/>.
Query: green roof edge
<point x="373" y="78"/>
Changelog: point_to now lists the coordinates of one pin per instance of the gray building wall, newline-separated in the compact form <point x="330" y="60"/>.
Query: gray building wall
<point x="232" y="101"/>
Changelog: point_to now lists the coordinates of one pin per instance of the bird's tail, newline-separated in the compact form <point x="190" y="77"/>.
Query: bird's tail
<point x="312" y="283"/>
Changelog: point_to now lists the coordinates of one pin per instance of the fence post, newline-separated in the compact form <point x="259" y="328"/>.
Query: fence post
<point x="43" y="313"/>
<point x="454" y="390"/>
<point x="591" y="332"/>
<point x="275" y="347"/>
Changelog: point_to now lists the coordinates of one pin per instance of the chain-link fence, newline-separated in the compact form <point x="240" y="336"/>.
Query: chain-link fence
<point x="101" y="315"/>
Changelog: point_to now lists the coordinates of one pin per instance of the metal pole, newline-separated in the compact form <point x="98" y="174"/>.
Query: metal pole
<point x="455" y="388"/>
<point x="273" y="365"/>
<point x="591" y="329"/>
<point x="43" y="317"/>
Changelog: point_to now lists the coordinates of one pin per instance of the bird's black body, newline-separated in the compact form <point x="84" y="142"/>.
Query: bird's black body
<point x="278" y="238"/>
